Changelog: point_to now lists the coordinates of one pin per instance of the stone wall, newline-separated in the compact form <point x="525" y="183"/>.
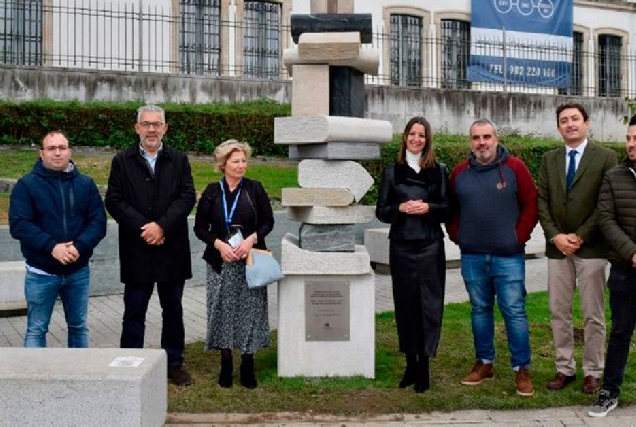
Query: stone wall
<point x="448" y="110"/>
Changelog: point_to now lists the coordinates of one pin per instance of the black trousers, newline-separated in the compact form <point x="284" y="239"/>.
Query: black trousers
<point x="136" y="299"/>
<point x="622" y="286"/>
<point x="418" y="271"/>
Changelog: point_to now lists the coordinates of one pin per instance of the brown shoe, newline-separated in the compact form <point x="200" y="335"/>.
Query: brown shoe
<point x="179" y="376"/>
<point x="481" y="371"/>
<point x="560" y="381"/>
<point x="590" y="385"/>
<point x="524" y="383"/>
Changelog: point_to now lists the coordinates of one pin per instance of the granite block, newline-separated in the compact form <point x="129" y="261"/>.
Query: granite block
<point x="336" y="151"/>
<point x="295" y="260"/>
<point x="310" y="90"/>
<point x="83" y="387"/>
<point x="367" y="61"/>
<point x="327" y="238"/>
<point x="298" y="356"/>
<point x="333" y="23"/>
<point x="329" y="215"/>
<point x="346" y="92"/>
<point x="329" y="46"/>
<point x="318" y="129"/>
<point x="316" y="197"/>
<point x="335" y="174"/>
<point x="331" y="6"/>
<point x="12" y="300"/>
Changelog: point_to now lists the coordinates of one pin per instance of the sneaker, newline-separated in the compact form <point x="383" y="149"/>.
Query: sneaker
<point x="179" y="376"/>
<point x="524" y="383"/>
<point x="480" y="372"/>
<point x="603" y="405"/>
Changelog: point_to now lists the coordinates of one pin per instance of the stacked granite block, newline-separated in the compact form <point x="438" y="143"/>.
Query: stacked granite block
<point x="327" y="128"/>
<point x="326" y="300"/>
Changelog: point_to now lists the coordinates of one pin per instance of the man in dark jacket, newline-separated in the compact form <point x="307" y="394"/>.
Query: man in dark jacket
<point x="150" y="195"/>
<point x="58" y="216"/>
<point x="494" y="202"/>
<point x="616" y="219"/>
<point x="569" y="181"/>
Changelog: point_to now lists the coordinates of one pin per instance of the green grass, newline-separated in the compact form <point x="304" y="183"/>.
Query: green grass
<point x="274" y="175"/>
<point x="350" y="396"/>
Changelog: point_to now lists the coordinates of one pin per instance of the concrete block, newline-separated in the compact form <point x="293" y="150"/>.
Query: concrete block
<point x="366" y="62"/>
<point x="12" y="301"/>
<point x="327" y="238"/>
<point x="376" y="242"/>
<point x="333" y="23"/>
<point x="336" y="151"/>
<point x="318" y="129"/>
<point x="346" y="92"/>
<point x="299" y="357"/>
<point x="295" y="260"/>
<point x="331" y="6"/>
<point x="316" y="197"/>
<point x="326" y="46"/>
<point x="81" y="387"/>
<point x="329" y="215"/>
<point x="335" y="174"/>
<point x="310" y="90"/>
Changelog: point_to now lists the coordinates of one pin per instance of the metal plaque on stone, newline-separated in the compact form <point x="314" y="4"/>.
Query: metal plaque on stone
<point x="327" y="307"/>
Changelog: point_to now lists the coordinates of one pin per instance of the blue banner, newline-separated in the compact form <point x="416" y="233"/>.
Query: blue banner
<point x="526" y="42"/>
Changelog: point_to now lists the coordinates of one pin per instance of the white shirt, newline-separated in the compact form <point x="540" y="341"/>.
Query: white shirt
<point x="577" y="158"/>
<point x="413" y="160"/>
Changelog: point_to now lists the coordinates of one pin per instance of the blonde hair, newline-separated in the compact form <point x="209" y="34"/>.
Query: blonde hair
<point x="224" y="150"/>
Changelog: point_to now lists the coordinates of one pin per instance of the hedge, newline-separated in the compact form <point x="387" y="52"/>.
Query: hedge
<point x="194" y="128"/>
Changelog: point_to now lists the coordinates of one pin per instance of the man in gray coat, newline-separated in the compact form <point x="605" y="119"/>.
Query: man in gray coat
<point x="616" y="218"/>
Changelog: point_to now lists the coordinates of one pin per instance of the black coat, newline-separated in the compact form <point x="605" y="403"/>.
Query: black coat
<point x="135" y="197"/>
<point x="416" y="253"/>
<point x="253" y="213"/>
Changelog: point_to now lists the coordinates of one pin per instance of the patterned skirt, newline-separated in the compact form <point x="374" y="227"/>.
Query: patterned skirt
<point x="237" y="315"/>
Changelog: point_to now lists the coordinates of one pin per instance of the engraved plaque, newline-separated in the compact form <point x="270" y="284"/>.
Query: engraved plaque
<point x="327" y="310"/>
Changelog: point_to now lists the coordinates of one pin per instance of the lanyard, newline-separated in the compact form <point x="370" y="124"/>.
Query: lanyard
<point x="228" y="217"/>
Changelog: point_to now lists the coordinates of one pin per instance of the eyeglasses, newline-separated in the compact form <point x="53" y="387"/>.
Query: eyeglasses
<point x="54" y="148"/>
<point x="148" y="125"/>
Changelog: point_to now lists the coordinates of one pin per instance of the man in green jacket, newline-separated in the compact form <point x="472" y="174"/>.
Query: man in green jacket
<point x="616" y="218"/>
<point x="569" y="182"/>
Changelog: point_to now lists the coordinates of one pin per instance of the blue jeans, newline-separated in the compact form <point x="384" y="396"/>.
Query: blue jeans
<point x="41" y="292"/>
<point x="485" y="277"/>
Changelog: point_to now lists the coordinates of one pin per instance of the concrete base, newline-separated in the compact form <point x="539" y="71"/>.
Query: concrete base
<point x="299" y="357"/>
<point x="12" y="302"/>
<point x="74" y="387"/>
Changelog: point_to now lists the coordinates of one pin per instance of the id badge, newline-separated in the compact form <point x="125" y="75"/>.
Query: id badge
<point x="235" y="239"/>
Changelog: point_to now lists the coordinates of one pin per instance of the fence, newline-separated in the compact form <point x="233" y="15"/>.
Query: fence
<point x="196" y="39"/>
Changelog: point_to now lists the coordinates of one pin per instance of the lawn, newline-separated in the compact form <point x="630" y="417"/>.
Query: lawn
<point x="350" y="396"/>
<point x="274" y="174"/>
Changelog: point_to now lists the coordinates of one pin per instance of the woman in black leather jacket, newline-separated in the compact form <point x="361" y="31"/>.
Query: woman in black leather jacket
<point x="413" y="198"/>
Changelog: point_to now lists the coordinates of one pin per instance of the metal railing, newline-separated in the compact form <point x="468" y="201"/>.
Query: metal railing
<point x="98" y="35"/>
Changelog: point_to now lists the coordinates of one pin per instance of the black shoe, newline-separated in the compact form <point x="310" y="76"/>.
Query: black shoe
<point x="409" y="376"/>
<point x="179" y="376"/>
<point x="248" y="379"/>
<point x="422" y="380"/>
<point x="225" y="377"/>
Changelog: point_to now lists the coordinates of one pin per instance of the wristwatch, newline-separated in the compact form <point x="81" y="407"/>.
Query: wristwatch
<point x="254" y="238"/>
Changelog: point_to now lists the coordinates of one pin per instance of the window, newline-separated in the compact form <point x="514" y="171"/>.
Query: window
<point x="200" y="37"/>
<point x="609" y="65"/>
<point x="21" y="32"/>
<point x="576" y="77"/>
<point x="455" y="53"/>
<point x="261" y="39"/>
<point x="406" y="50"/>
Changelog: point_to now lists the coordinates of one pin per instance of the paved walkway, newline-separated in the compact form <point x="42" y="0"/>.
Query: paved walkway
<point x="105" y="326"/>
